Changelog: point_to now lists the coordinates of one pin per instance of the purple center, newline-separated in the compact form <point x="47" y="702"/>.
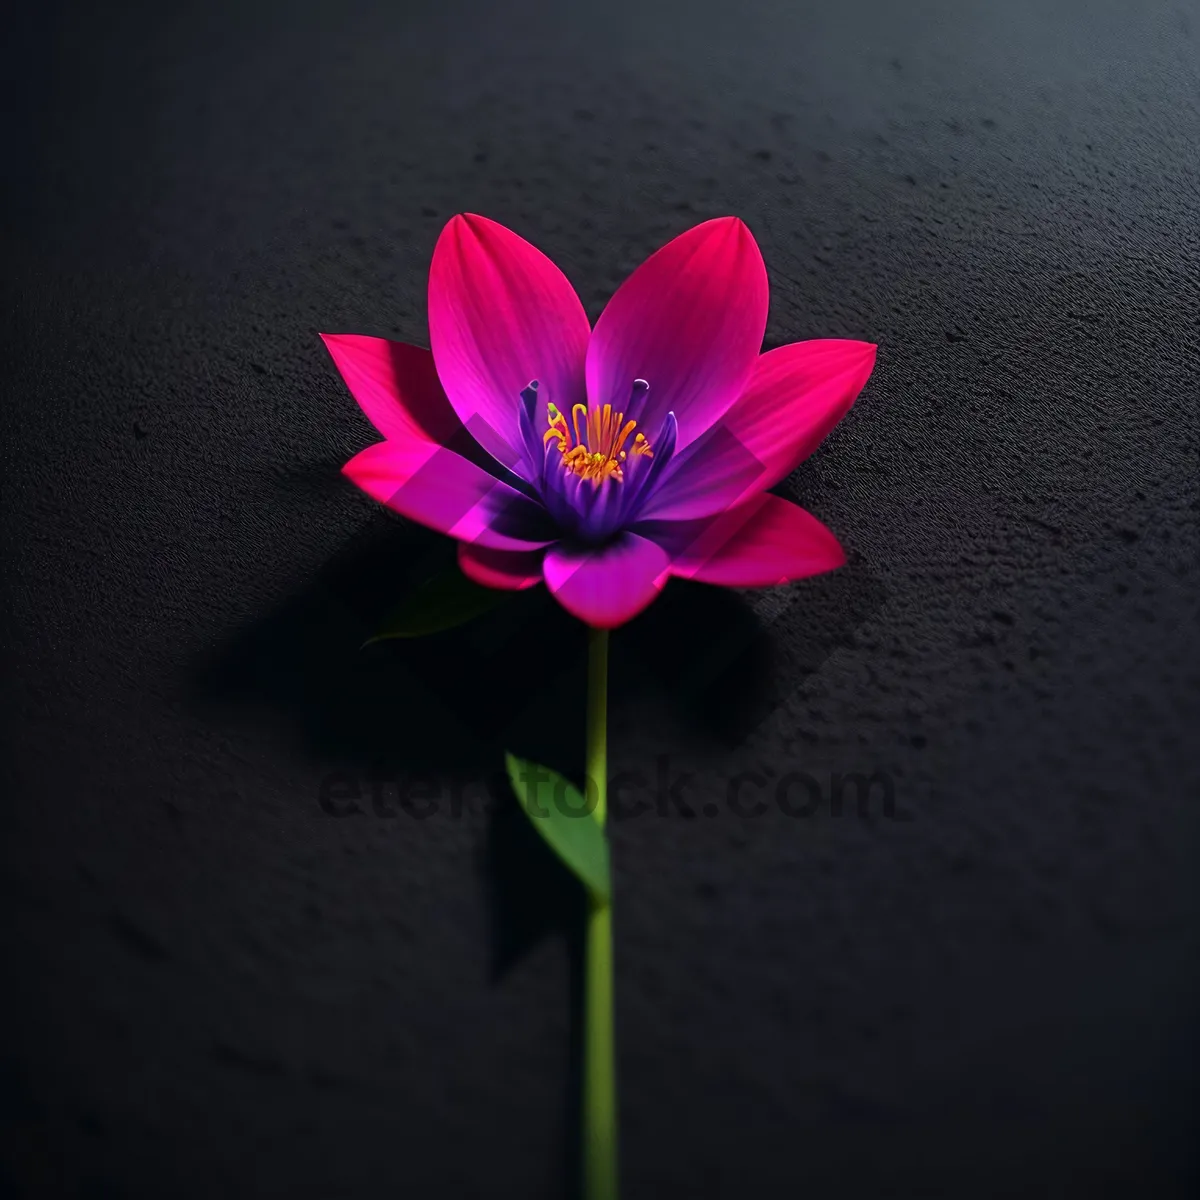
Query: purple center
<point x="593" y="468"/>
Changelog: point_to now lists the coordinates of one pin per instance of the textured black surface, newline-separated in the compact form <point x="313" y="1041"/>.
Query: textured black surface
<point x="215" y="989"/>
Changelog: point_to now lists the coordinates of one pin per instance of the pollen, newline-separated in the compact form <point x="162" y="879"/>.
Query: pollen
<point x="596" y="442"/>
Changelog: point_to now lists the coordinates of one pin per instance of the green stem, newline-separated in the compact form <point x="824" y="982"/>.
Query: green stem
<point x="599" y="1074"/>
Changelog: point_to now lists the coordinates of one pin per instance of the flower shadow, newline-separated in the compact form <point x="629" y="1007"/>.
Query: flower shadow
<point x="449" y="706"/>
<point x="724" y="662"/>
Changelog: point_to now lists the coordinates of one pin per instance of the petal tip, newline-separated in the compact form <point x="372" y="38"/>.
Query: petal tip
<point x="729" y="223"/>
<point x="853" y="350"/>
<point x="353" y="468"/>
<point x="452" y="230"/>
<point x="474" y="224"/>
<point x="339" y="345"/>
<point x="354" y="474"/>
<point x="744" y="233"/>
<point x="344" y="343"/>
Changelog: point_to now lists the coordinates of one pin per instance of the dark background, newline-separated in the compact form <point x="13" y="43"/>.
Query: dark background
<point x="214" y="988"/>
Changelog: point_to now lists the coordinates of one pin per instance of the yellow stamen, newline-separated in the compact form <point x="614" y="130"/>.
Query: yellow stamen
<point x="558" y="428"/>
<point x="599" y="445"/>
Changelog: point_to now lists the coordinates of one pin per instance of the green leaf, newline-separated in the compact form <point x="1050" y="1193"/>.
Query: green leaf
<point x="565" y="819"/>
<point x="443" y="602"/>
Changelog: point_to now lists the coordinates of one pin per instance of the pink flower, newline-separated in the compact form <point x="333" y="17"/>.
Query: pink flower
<point x="604" y="460"/>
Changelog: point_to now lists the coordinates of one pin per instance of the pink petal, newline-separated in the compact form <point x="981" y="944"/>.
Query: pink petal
<point x="690" y="321"/>
<point x="436" y="487"/>
<point x="500" y="315"/>
<point x="396" y="385"/>
<point x="512" y="570"/>
<point x="766" y="541"/>
<point x="607" y="585"/>
<point x="795" y="396"/>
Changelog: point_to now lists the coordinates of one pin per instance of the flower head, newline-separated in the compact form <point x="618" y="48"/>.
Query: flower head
<point x="603" y="460"/>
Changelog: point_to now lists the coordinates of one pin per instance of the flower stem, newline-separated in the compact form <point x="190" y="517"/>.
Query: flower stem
<point x="599" y="1073"/>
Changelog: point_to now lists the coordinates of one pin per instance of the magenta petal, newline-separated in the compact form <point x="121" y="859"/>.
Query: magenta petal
<point x="396" y="385"/>
<point x="607" y="585"/>
<point x="690" y="321"/>
<point x="795" y="396"/>
<point x="512" y="570"/>
<point x="500" y="315"/>
<point x="766" y="541"/>
<point x="436" y="487"/>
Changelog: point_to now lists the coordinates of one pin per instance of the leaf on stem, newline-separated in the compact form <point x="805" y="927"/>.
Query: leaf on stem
<point x="565" y="819"/>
